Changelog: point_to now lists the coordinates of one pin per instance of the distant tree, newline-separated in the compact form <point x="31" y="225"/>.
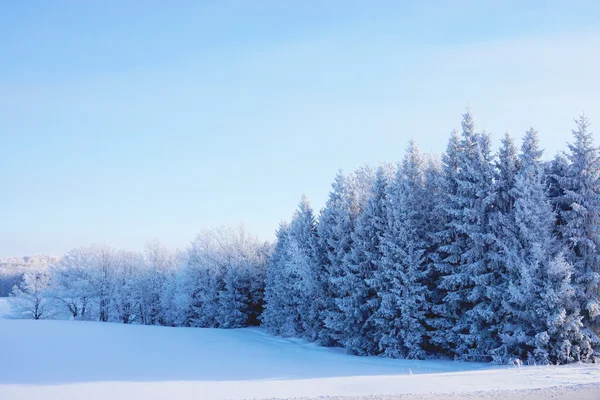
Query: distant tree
<point x="126" y="295"/>
<point x="28" y="299"/>
<point x="72" y="283"/>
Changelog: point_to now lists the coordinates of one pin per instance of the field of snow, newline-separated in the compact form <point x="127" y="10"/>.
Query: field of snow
<point x="73" y="360"/>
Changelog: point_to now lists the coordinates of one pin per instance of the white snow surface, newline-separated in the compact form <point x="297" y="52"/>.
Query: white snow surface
<point x="91" y="360"/>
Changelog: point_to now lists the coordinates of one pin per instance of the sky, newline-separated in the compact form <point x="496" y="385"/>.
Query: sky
<point x="123" y="122"/>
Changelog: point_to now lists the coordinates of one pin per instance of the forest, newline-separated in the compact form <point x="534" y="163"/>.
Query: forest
<point x="474" y="255"/>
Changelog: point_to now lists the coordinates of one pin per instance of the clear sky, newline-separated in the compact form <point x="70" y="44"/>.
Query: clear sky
<point x="124" y="121"/>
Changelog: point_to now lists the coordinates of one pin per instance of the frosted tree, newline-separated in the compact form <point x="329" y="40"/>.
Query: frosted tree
<point x="404" y="305"/>
<point x="434" y="197"/>
<point x="305" y="267"/>
<point x="467" y="311"/>
<point x="202" y="279"/>
<point x="581" y="186"/>
<point x="126" y="296"/>
<point x="222" y="280"/>
<point x="501" y="224"/>
<point x="29" y="298"/>
<point x="158" y="264"/>
<point x="234" y="298"/>
<point x="241" y="260"/>
<point x="507" y="167"/>
<point x="447" y="253"/>
<point x="73" y="283"/>
<point x="364" y="273"/>
<point x="293" y="290"/>
<point x="482" y="259"/>
<point x="276" y="284"/>
<point x="335" y="228"/>
<point x="542" y="321"/>
<point x="103" y="271"/>
<point x="178" y="293"/>
<point x="555" y="172"/>
<point x="361" y="182"/>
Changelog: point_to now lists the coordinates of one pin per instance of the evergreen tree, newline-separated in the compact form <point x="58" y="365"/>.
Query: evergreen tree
<point x="501" y="227"/>
<point x="581" y="186"/>
<point x="542" y="322"/>
<point x="276" y="284"/>
<point x="335" y="228"/>
<point x="555" y="172"/>
<point x="465" y="271"/>
<point x="363" y="273"/>
<point x="404" y="306"/>
<point x="446" y="255"/>
<point x="303" y="258"/>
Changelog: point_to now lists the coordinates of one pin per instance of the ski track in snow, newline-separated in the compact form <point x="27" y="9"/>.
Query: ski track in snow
<point x="75" y="360"/>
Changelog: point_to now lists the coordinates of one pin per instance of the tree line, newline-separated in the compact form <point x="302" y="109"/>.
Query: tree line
<point x="476" y="256"/>
<point x="217" y="282"/>
<point x="472" y="256"/>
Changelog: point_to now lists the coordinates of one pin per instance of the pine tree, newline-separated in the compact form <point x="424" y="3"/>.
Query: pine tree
<point x="303" y="238"/>
<point x="542" y="322"/>
<point x="501" y="227"/>
<point x="446" y="255"/>
<point x="335" y="228"/>
<point x="466" y="274"/>
<point x="404" y="307"/>
<point x="581" y="227"/>
<point x="292" y="290"/>
<point x="363" y="273"/>
<point x="555" y="172"/>
<point x="275" y="284"/>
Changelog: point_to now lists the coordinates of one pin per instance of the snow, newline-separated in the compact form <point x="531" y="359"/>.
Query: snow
<point x="92" y="360"/>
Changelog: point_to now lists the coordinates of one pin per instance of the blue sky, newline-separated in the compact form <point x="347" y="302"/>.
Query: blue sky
<point x="122" y="122"/>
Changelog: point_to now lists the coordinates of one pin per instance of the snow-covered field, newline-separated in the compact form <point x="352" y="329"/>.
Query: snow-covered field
<point x="89" y="360"/>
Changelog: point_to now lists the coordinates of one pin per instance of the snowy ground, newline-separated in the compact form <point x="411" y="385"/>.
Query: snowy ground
<point x="74" y="360"/>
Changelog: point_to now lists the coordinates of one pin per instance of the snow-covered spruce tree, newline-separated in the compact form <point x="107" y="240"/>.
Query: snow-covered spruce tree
<point x="541" y="322"/>
<point x="241" y="259"/>
<point x="276" y="284"/>
<point x="581" y="229"/>
<point x="446" y="255"/>
<point x="364" y="274"/>
<point x="29" y="299"/>
<point x="234" y="298"/>
<point x="335" y="227"/>
<point x="507" y="167"/>
<point x="304" y="263"/>
<point x="501" y="225"/>
<point x="404" y="306"/>
<point x="433" y="198"/>
<point x="465" y="274"/>
<point x="361" y="183"/>
<point x="555" y="171"/>
<point x="483" y="263"/>
<point x="292" y="289"/>
<point x="223" y="279"/>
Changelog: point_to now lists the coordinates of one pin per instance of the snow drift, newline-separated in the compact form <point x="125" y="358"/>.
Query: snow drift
<point x="69" y="360"/>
